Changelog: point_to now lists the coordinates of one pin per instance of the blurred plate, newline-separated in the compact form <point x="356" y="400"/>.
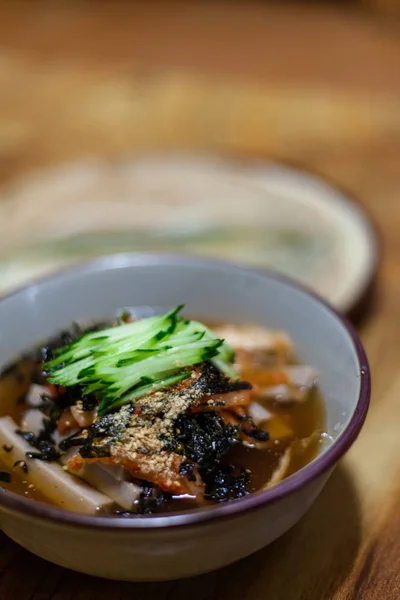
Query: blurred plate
<point x="258" y="213"/>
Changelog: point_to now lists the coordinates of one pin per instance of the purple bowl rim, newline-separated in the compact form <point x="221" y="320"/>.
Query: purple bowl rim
<point x="13" y="503"/>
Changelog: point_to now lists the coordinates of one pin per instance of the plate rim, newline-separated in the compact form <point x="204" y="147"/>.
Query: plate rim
<point x="358" y="304"/>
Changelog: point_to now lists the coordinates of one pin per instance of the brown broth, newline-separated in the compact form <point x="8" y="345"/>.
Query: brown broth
<point x="20" y="485"/>
<point x="305" y="420"/>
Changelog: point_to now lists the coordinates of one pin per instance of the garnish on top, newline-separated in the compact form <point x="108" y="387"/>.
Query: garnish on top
<point x="128" y="361"/>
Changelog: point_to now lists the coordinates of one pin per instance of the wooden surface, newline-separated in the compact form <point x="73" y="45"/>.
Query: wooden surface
<point x="316" y="85"/>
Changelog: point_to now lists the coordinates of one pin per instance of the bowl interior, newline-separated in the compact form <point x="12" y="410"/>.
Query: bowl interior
<point x="210" y="290"/>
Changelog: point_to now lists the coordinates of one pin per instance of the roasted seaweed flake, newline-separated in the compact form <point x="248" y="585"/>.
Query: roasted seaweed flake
<point x="251" y="430"/>
<point x="151" y="499"/>
<point x="226" y="483"/>
<point x="186" y="470"/>
<point x="43" y="442"/>
<point x="204" y="438"/>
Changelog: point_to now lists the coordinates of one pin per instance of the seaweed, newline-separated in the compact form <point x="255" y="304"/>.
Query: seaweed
<point x="225" y="483"/>
<point x="46" y="453"/>
<point x="67" y="397"/>
<point x="49" y="408"/>
<point x="89" y="402"/>
<point x="151" y="499"/>
<point x="76" y="439"/>
<point x="251" y="430"/>
<point x="203" y="438"/>
<point x="43" y="442"/>
<point x="92" y="450"/>
<point x="186" y="470"/>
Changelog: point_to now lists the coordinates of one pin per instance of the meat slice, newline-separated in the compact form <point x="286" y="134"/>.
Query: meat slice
<point x="301" y="379"/>
<point x="256" y="346"/>
<point x="259" y="413"/>
<point x="253" y="337"/>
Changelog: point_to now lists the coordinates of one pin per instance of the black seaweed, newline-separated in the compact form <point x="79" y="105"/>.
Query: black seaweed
<point x="87" y="439"/>
<point x="151" y="499"/>
<point x="76" y="439"/>
<point x="253" y="431"/>
<point x="258" y="434"/>
<point x="67" y="397"/>
<point x="226" y="483"/>
<point x="49" y="408"/>
<point x="47" y="454"/>
<point x="186" y="470"/>
<point x="90" y="450"/>
<point x="89" y="402"/>
<point x="5" y="477"/>
<point x="203" y="438"/>
<point x="43" y="442"/>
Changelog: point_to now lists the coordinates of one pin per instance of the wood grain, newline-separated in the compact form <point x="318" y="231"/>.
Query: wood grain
<point x="312" y="84"/>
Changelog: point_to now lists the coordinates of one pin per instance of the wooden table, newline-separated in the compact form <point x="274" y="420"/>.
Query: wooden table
<point x="312" y="84"/>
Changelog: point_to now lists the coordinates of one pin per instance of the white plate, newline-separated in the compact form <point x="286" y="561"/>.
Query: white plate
<point x="254" y="212"/>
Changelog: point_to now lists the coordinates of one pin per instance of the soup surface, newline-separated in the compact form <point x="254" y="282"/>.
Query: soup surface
<point x="141" y="416"/>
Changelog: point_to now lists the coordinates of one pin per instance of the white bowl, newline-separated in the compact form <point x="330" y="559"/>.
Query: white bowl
<point x="179" y="545"/>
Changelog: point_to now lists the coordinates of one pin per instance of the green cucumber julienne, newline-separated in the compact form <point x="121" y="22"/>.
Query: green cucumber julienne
<point x="126" y="362"/>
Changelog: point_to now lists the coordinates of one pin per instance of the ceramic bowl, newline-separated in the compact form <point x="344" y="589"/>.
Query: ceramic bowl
<point x="180" y="545"/>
